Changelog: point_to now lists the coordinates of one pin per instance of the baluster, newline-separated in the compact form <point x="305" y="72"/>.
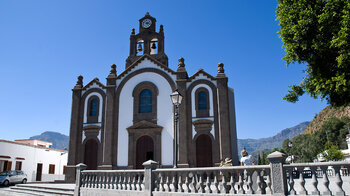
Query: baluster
<point x="268" y="183"/>
<point x="102" y="183"/>
<point x="143" y="183"/>
<point x="200" y="183"/>
<point x="91" y="181"/>
<point x="192" y="185"/>
<point x="119" y="182"/>
<point x="138" y="183"/>
<point x="215" y="188"/>
<point x="82" y="180"/>
<point x="161" y="187"/>
<point x="129" y="185"/>
<point x="186" y="189"/>
<point x="173" y="186"/>
<point x="259" y="184"/>
<point x="314" y="182"/>
<point x="207" y="183"/>
<point x="291" y="182"/>
<point x="338" y="181"/>
<point x="97" y="176"/>
<point x="223" y="188"/>
<point x="132" y="182"/>
<point x="179" y="184"/>
<point x="122" y="182"/>
<point x="241" y="182"/>
<point x="232" y="183"/>
<point x="166" y="185"/>
<point x="301" y="181"/>
<point x="104" y="180"/>
<point x="249" y="182"/>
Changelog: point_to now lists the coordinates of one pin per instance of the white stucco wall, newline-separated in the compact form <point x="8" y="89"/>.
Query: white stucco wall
<point x="164" y="116"/>
<point x="32" y="156"/>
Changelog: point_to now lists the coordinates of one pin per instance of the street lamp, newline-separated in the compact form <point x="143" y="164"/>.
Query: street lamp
<point x="176" y="98"/>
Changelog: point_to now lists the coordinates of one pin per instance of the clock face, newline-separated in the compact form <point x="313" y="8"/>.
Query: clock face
<point x="146" y="23"/>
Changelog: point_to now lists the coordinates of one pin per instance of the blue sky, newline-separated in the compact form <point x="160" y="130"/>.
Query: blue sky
<point x="45" y="45"/>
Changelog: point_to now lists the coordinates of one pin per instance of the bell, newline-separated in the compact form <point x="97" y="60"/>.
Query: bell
<point x="139" y="48"/>
<point x="153" y="46"/>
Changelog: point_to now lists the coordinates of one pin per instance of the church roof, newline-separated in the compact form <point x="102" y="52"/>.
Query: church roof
<point x="201" y="71"/>
<point x="95" y="80"/>
<point x="138" y="61"/>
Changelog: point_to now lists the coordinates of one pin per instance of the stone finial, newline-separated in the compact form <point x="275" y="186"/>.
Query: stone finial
<point x="150" y="164"/>
<point x="79" y="82"/>
<point x="161" y="29"/>
<point x="147" y="14"/>
<point x="132" y="31"/>
<point x="221" y="68"/>
<point x="181" y="62"/>
<point x="113" y="70"/>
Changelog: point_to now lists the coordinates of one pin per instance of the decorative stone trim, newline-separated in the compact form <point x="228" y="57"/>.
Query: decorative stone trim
<point x="203" y="126"/>
<point x="201" y="71"/>
<point x="95" y="80"/>
<point x="93" y="119"/>
<point x="138" y="130"/>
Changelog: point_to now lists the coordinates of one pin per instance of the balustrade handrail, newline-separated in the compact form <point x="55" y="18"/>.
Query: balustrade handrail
<point x="115" y="171"/>
<point x="201" y="169"/>
<point x="319" y="164"/>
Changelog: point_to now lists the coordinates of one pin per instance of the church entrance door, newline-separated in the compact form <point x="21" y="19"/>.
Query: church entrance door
<point x="144" y="150"/>
<point x="204" y="151"/>
<point x="90" y="155"/>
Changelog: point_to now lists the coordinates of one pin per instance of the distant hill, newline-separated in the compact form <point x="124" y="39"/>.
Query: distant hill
<point x="59" y="140"/>
<point x="252" y="145"/>
<point x="325" y="114"/>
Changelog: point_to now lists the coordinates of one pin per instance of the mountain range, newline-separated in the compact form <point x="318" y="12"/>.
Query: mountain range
<point x="59" y="140"/>
<point x="252" y="145"/>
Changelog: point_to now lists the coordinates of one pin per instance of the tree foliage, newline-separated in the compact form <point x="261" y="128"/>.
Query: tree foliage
<point x="330" y="137"/>
<point x="316" y="33"/>
<point x="332" y="153"/>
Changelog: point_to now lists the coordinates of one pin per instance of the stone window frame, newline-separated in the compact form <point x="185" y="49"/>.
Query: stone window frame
<point x="151" y="116"/>
<point x="202" y="113"/>
<point x="93" y="119"/>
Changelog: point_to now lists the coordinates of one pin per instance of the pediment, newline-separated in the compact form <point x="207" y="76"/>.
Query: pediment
<point x="203" y="73"/>
<point x="94" y="82"/>
<point x="144" y="126"/>
<point x="150" y="60"/>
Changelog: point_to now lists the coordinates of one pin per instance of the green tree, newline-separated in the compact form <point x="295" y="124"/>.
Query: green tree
<point x="317" y="34"/>
<point x="332" y="153"/>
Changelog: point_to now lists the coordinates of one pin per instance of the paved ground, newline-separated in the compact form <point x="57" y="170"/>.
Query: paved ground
<point x="5" y="191"/>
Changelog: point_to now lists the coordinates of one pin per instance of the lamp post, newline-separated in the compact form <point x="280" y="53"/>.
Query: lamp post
<point x="176" y="98"/>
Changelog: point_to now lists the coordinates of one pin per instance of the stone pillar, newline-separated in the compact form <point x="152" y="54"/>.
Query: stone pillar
<point x="278" y="174"/>
<point x="80" y="167"/>
<point x="149" y="177"/>
<point x="107" y="155"/>
<point x="183" y="151"/>
<point x="224" y="114"/>
<point x="75" y="131"/>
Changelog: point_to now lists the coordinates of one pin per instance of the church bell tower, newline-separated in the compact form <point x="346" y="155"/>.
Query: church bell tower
<point x="147" y="41"/>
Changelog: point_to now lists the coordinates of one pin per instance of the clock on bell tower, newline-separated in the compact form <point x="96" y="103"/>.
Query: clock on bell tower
<point x="147" y="41"/>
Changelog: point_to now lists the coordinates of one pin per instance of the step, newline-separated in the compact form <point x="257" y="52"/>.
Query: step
<point x="57" y="187"/>
<point x="43" y="190"/>
<point x="11" y="192"/>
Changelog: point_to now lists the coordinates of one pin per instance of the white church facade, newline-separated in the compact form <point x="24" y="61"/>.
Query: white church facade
<point x="130" y="119"/>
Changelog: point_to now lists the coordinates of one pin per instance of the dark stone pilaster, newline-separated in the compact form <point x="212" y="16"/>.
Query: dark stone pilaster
<point x="224" y="115"/>
<point x="183" y="151"/>
<point x="107" y="156"/>
<point x="75" y="131"/>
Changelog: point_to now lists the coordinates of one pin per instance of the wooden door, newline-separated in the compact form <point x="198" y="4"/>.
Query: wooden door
<point x="39" y="170"/>
<point x="90" y="155"/>
<point x="204" y="151"/>
<point x="144" y="150"/>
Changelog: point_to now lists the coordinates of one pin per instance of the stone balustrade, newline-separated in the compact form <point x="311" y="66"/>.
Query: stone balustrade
<point x="327" y="178"/>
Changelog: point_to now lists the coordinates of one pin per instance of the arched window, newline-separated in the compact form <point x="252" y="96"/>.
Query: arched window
<point x="202" y="101"/>
<point x="145" y="105"/>
<point x="93" y="107"/>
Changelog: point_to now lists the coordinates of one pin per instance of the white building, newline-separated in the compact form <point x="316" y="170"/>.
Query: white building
<point x="347" y="151"/>
<point x="34" y="158"/>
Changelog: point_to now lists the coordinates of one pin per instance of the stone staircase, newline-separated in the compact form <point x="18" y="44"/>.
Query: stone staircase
<point x="47" y="189"/>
